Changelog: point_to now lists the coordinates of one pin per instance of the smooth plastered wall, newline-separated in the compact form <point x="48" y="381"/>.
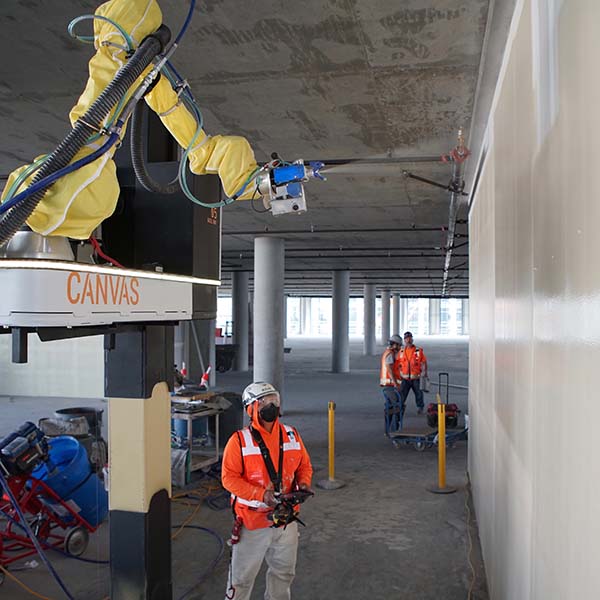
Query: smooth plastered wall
<point x="65" y="368"/>
<point x="535" y="311"/>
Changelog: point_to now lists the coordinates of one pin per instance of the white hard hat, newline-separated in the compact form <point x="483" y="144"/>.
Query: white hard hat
<point x="257" y="390"/>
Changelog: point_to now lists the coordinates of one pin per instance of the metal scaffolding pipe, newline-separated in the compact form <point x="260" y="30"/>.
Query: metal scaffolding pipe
<point x="315" y="231"/>
<point x="348" y="248"/>
<point x="459" y="155"/>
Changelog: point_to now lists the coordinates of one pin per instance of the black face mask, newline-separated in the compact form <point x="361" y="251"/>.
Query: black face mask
<point x="269" y="413"/>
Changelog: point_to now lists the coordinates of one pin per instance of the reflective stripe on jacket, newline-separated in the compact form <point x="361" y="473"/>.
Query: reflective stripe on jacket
<point x="384" y="378"/>
<point x="411" y="368"/>
<point x="253" y="512"/>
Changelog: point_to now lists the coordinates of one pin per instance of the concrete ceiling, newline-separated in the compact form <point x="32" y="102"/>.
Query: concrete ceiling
<point x="329" y="80"/>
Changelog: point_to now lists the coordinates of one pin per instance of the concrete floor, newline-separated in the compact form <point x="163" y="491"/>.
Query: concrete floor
<point x="381" y="536"/>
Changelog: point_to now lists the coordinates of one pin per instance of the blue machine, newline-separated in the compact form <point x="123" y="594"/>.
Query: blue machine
<point x="68" y="472"/>
<point x="282" y="185"/>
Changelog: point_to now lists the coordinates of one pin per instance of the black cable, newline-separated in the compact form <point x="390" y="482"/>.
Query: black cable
<point x="32" y="537"/>
<point x="89" y="123"/>
<point x="79" y="558"/>
<point x="138" y="150"/>
<point x="260" y="212"/>
<point x="213" y="564"/>
<point x="48" y="547"/>
<point x="220" y="501"/>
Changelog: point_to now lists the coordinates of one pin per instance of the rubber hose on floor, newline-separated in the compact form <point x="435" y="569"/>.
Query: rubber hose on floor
<point x="138" y="150"/>
<point x="91" y="121"/>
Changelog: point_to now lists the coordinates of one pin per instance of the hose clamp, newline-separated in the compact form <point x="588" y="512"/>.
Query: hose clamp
<point x="113" y="45"/>
<point x="91" y="126"/>
<point x="178" y="89"/>
<point x="167" y="112"/>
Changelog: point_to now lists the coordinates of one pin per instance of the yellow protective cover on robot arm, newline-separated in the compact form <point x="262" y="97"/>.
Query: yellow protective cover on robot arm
<point x="76" y="204"/>
<point x="228" y="155"/>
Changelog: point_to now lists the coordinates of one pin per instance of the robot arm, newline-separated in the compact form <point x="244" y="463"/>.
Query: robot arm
<point x="76" y="201"/>
<point x="229" y="156"/>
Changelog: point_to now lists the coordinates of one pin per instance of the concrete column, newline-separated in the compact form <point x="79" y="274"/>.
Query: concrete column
<point x="340" y="342"/>
<point x="240" y="318"/>
<point x="285" y="316"/>
<point x="251" y="327"/>
<point x="403" y="315"/>
<point x="269" y="271"/>
<point x="465" y="317"/>
<point x="385" y="316"/>
<point x="435" y="316"/>
<point x="303" y="316"/>
<point x="396" y="315"/>
<point x="140" y="505"/>
<point x="138" y="374"/>
<point x="182" y="344"/>
<point x="369" y="319"/>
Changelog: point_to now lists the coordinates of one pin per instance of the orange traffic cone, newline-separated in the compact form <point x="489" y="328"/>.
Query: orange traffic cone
<point x="204" y="381"/>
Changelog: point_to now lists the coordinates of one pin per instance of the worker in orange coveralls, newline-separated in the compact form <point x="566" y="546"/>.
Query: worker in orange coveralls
<point x="261" y="462"/>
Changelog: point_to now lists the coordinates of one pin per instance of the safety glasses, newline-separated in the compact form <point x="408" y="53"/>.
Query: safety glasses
<point x="269" y="399"/>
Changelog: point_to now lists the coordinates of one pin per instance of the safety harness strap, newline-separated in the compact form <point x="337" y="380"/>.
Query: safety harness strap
<point x="276" y="477"/>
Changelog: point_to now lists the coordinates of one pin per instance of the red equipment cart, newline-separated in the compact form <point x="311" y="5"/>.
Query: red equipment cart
<point x="452" y="410"/>
<point x="56" y="523"/>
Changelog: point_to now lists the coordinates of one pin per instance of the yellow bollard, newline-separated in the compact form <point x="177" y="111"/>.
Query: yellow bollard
<point x="441" y="487"/>
<point x="331" y="412"/>
<point x="441" y="445"/>
<point x="330" y="483"/>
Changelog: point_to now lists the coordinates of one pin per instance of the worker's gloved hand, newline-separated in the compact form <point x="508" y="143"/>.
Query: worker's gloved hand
<point x="269" y="498"/>
<point x="305" y="488"/>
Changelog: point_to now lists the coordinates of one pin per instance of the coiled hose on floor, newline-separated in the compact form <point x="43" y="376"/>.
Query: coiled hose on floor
<point x="138" y="149"/>
<point x="91" y="122"/>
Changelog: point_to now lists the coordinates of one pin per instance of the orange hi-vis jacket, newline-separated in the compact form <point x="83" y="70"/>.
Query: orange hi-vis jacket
<point x="411" y="361"/>
<point x="384" y="377"/>
<point x="245" y="474"/>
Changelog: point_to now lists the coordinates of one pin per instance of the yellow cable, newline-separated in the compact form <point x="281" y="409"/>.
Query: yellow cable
<point x="201" y="492"/>
<point x="20" y="583"/>
<point x="210" y="488"/>
<point x="186" y="522"/>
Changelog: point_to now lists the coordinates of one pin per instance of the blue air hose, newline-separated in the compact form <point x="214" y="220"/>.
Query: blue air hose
<point x="12" y="220"/>
<point x="33" y="538"/>
<point x="190" y="102"/>
<point x="47" y="181"/>
<point x="186" y="23"/>
<point x="55" y="549"/>
<point x="89" y="39"/>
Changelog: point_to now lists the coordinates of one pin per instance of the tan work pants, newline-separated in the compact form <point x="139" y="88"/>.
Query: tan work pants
<point x="278" y="547"/>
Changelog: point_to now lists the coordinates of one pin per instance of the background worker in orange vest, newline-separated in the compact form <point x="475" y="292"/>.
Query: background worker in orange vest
<point x="389" y="380"/>
<point x="413" y="364"/>
<point x="260" y="463"/>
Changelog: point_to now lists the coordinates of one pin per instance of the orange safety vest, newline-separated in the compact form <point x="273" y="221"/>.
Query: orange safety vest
<point x="411" y="368"/>
<point x="254" y="513"/>
<point x="384" y="378"/>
